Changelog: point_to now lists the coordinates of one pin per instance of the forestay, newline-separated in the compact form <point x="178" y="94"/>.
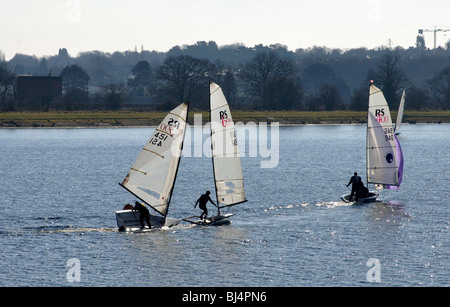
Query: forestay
<point x="401" y="107"/>
<point x="228" y="176"/>
<point x="152" y="176"/>
<point x="382" y="165"/>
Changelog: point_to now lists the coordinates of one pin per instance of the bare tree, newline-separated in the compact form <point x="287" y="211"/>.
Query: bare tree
<point x="440" y="88"/>
<point x="263" y="67"/>
<point x="392" y="79"/>
<point x="182" y="77"/>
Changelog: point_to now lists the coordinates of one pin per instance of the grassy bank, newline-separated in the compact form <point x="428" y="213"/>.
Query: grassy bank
<point x="105" y="119"/>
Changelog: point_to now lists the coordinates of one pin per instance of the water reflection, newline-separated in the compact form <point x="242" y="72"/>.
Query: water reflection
<point x="390" y="213"/>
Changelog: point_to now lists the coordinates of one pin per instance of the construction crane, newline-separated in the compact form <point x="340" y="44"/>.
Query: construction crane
<point x="435" y="30"/>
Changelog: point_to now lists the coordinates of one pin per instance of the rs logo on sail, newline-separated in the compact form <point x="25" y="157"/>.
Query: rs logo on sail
<point x="171" y="127"/>
<point x="380" y="117"/>
<point x="224" y="117"/>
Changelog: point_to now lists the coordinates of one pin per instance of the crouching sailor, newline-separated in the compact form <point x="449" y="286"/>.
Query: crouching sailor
<point x="145" y="214"/>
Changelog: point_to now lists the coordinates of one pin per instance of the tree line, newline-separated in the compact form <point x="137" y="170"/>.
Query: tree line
<point x="258" y="78"/>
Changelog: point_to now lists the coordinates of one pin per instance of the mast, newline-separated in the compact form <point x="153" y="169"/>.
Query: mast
<point x="367" y="137"/>
<point x="179" y="159"/>
<point x="212" y="150"/>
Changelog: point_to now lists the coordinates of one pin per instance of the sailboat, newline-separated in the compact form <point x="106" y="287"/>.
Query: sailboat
<point x="384" y="159"/>
<point x="401" y="107"/>
<point x="152" y="176"/>
<point x="227" y="169"/>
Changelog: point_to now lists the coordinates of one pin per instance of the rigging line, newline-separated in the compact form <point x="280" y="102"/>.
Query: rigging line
<point x="231" y="205"/>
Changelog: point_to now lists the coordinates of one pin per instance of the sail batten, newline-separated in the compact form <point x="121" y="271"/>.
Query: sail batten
<point x="152" y="176"/>
<point x="229" y="181"/>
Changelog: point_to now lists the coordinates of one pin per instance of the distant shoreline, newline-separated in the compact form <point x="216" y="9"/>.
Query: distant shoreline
<point x="111" y="119"/>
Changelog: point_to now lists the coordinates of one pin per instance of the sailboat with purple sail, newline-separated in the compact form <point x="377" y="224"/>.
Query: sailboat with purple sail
<point x="384" y="156"/>
<point x="399" y="155"/>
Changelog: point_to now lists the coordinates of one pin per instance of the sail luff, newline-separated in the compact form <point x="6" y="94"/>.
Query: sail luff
<point x="211" y="92"/>
<point x="180" y="149"/>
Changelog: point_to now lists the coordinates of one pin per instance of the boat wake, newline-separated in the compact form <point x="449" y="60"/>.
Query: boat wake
<point x="333" y="204"/>
<point x="329" y="204"/>
<point x="80" y="230"/>
<point x="55" y="229"/>
<point x="282" y="207"/>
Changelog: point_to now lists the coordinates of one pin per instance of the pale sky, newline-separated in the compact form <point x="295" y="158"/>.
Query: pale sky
<point x="42" y="27"/>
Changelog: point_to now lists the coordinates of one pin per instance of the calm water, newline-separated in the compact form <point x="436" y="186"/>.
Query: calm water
<point x="59" y="192"/>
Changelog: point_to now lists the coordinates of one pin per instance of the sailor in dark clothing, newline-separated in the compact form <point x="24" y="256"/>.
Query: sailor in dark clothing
<point x="202" y="204"/>
<point x="144" y="214"/>
<point x="356" y="185"/>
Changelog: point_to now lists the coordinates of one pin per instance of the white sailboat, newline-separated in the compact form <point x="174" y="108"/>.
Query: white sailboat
<point x="384" y="159"/>
<point x="401" y="107"/>
<point x="152" y="176"/>
<point x="228" y="178"/>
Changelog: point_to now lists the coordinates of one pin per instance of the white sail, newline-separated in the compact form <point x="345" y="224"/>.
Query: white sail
<point x="382" y="166"/>
<point x="400" y="112"/>
<point x="225" y="152"/>
<point x="152" y="176"/>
